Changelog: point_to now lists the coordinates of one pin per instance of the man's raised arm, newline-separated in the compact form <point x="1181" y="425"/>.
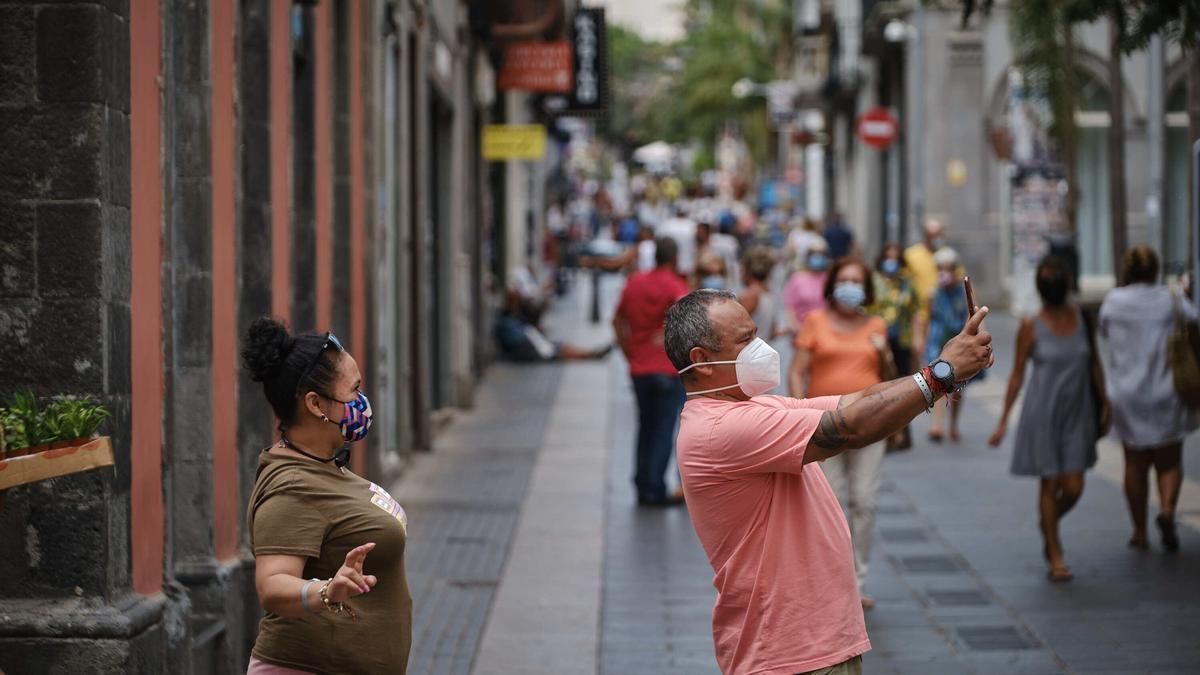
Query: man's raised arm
<point x="878" y="411"/>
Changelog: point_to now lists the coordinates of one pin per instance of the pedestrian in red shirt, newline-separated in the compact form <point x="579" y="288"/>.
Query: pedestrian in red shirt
<point x="639" y="327"/>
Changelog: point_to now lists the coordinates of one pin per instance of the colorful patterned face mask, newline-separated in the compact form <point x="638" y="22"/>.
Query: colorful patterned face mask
<point x="356" y="421"/>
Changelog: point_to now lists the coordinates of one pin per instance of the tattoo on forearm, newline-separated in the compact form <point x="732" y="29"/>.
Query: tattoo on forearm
<point x="832" y="431"/>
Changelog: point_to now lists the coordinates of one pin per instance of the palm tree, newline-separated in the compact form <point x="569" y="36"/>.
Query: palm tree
<point x="1116" y="140"/>
<point x="1043" y="37"/>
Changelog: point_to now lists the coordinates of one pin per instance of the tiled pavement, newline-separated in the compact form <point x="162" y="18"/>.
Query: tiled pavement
<point x="957" y="570"/>
<point x="658" y="593"/>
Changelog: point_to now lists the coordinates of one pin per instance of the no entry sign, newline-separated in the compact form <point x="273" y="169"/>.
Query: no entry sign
<point x="877" y="128"/>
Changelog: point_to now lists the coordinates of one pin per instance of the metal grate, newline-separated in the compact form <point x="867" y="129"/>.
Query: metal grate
<point x="992" y="638"/>
<point x="964" y="598"/>
<point x="901" y="535"/>
<point x="893" y="509"/>
<point x="929" y="564"/>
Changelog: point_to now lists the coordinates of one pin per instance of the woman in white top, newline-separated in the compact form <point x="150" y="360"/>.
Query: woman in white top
<point x="1147" y="415"/>
<point x="756" y="297"/>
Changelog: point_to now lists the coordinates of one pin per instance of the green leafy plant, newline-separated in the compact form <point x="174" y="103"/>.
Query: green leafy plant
<point x="71" y="417"/>
<point x="24" y="423"/>
<point x="24" y="406"/>
<point x="12" y="432"/>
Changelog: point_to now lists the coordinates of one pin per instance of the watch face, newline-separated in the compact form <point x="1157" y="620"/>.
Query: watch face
<point x="941" y="370"/>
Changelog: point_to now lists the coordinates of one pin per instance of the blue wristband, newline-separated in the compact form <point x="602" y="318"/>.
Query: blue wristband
<point x="304" y="593"/>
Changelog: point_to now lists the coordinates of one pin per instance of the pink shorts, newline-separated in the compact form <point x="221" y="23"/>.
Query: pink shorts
<point x="263" y="668"/>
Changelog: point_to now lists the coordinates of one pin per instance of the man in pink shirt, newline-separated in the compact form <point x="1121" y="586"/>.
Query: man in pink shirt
<point x="787" y="597"/>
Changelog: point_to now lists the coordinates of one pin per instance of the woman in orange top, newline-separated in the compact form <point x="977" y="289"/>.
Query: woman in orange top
<point x="838" y="352"/>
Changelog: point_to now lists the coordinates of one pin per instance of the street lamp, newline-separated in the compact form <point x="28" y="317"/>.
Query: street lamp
<point x="743" y="88"/>
<point x="898" y="31"/>
<point x="780" y="95"/>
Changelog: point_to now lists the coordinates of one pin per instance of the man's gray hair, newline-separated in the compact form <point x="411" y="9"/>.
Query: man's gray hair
<point x="688" y="325"/>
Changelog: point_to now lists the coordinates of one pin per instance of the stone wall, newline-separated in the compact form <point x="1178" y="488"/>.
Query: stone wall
<point x="66" y="603"/>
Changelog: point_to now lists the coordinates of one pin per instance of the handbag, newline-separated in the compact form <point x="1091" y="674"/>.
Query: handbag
<point x="1099" y="396"/>
<point x="1183" y="351"/>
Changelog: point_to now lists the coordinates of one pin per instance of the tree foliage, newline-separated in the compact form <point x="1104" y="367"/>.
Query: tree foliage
<point x="682" y="92"/>
<point x="1177" y="21"/>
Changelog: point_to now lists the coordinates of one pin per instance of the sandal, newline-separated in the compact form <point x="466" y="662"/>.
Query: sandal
<point x="1139" y="543"/>
<point x="1170" y="536"/>
<point x="935" y="436"/>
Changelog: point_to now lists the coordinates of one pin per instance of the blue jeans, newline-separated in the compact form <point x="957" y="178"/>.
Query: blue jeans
<point x="660" y="399"/>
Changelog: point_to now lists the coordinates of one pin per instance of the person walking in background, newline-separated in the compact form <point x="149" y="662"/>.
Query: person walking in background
<point x="645" y="249"/>
<point x="638" y="324"/>
<point x="899" y="305"/>
<point x="683" y="231"/>
<point x="947" y="311"/>
<point x="804" y="235"/>
<point x="328" y="545"/>
<point x="1062" y="417"/>
<point x="1147" y="414"/>
<point x="756" y="296"/>
<point x="838" y="352"/>
<point x="805" y="289"/>
<point x="918" y="258"/>
<point x="838" y="236"/>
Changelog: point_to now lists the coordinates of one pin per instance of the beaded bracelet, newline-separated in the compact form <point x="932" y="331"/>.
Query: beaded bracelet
<point x="335" y="607"/>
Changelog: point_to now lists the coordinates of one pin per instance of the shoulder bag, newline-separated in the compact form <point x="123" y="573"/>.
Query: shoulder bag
<point x="1183" y="347"/>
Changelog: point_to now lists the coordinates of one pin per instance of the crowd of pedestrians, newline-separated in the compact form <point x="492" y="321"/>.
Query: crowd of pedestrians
<point x="853" y="327"/>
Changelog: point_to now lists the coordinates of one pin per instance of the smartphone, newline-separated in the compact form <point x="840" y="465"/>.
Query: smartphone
<point x="971" y="307"/>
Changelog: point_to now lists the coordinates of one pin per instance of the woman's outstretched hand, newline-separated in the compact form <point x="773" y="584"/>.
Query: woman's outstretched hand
<point x="350" y="580"/>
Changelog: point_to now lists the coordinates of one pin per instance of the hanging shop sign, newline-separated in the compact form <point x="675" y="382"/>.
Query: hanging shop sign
<point x="877" y="128"/>
<point x="589" y="44"/>
<point x="503" y="142"/>
<point x="537" y="66"/>
<point x="781" y="97"/>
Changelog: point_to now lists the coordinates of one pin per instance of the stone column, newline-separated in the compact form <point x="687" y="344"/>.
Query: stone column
<point x="66" y="602"/>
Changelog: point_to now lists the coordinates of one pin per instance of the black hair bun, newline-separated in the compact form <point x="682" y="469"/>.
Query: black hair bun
<point x="267" y="346"/>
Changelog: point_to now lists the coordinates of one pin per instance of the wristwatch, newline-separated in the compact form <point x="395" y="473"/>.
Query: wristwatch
<point x="943" y="372"/>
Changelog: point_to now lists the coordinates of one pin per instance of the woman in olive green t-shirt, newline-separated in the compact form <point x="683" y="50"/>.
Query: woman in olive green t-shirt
<point x="328" y="545"/>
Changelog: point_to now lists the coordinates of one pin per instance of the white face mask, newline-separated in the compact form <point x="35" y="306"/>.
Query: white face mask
<point x="757" y="369"/>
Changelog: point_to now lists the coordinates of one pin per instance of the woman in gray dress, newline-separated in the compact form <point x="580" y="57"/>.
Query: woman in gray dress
<point x="1064" y="411"/>
<point x="1148" y="416"/>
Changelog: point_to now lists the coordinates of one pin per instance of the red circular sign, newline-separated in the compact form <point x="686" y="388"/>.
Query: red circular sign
<point x="877" y="128"/>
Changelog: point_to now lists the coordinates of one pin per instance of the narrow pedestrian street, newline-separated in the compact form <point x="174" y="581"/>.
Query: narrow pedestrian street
<point x="527" y="553"/>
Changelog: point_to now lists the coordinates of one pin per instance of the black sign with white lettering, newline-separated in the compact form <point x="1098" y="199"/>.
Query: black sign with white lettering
<point x="589" y="41"/>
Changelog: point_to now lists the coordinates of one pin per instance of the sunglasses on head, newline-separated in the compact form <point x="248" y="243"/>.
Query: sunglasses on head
<point x="330" y="341"/>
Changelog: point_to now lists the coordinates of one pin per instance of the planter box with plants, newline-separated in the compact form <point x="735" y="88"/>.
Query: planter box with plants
<point x="44" y="441"/>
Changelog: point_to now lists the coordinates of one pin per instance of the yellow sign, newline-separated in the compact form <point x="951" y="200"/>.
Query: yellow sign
<point x="956" y="172"/>
<point x="513" y="141"/>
